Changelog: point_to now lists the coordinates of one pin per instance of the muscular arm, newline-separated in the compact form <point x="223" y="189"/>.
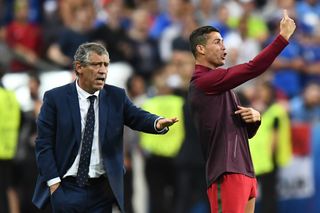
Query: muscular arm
<point x="220" y="80"/>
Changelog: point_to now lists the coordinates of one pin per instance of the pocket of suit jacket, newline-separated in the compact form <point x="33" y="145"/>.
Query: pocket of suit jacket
<point x="57" y="199"/>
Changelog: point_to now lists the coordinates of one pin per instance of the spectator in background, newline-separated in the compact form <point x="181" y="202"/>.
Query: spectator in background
<point x="24" y="38"/>
<point x="9" y="134"/>
<point x="6" y="9"/>
<point x="287" y="70"/>
<point x="190" y="165"/>
<point x="240" y="47"/>
<point x="310" y="39"/>
<point x="182" y="58"/>
<point x="306" y="107"/>
<point x="52" y="22"/>
<point x="136" y="90"/>
<point x="309" y="18"/>
<point x="25" y="159"/>
<point x="3" y="9"/>
<point x="176" y="27"/>
<point x="5" y="58"/>
<point x="204" y="11"/>
<point x="78" y="17"/>
<point x="309" y="36"/>
<point x="112" y="34"/>
<point x="271" y="146"/>
<point x="289" y="65"/>
<point x="168" y="25"/>
<point x="146" y="59"/>
<point x="175" y="10"/>
<point x="273" y="10"/>
<point x="311" y="68"/>
<point x="221" y="21"/>
<point x="160" y="152"/>
<point x="257" y="27"/>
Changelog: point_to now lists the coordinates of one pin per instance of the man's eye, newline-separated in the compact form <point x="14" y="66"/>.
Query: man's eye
<point x="98" y="64"/>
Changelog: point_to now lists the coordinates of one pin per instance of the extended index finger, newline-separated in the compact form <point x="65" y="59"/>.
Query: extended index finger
<point x="240" y="111"/>
<point x="285" y="14"/>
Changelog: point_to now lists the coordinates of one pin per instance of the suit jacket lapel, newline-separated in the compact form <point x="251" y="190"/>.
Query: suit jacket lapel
<point x="103" y="112"/>
<point x="75" y="110"/>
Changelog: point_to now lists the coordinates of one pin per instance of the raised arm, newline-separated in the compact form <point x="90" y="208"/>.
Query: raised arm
<point x="220" y="79"/>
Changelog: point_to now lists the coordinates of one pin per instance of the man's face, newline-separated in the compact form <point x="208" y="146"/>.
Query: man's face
<point x="214" y="51"/>
<point x="93" y="73"/>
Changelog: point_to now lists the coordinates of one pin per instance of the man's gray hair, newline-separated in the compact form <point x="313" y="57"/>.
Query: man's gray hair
<point x="84" y="50"/>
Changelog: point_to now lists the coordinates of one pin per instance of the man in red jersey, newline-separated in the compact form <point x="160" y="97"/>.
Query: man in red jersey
<point x="223" y="125"/>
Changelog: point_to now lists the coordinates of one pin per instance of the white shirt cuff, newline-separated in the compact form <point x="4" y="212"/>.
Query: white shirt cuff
<point x="53" y="181"/>
<point x="162" y="130"/>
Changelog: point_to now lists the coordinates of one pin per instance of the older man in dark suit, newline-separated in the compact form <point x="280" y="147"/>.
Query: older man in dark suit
<point x="79" y="147"/>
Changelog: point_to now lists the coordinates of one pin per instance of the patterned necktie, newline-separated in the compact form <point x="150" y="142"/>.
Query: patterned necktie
<point x="83" y="170"/>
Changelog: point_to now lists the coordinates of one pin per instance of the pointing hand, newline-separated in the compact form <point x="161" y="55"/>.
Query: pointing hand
<point x="249" y="115"/>
<point x="287" y="25"/>
<point x="166" y="122"/>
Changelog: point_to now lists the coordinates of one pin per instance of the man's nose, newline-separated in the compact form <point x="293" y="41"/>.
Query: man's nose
<point x="103" y="69"/>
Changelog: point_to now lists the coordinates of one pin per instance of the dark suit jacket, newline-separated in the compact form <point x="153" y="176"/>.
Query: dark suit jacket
<point x="59" y="135"/>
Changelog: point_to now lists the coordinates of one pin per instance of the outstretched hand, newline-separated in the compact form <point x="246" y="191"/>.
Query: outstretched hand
<point x="249" y="115"/>
<point x="166" y="122"/>
<point x="287" y="25"/>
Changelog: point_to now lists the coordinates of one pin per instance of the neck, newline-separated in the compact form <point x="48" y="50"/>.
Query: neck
<point x="205" y="64"/>
<point x="83" y="86"/>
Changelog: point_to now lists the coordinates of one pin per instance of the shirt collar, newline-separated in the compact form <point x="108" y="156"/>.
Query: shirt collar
<point x="84" y="94"/>
<point x="201" y="68"/>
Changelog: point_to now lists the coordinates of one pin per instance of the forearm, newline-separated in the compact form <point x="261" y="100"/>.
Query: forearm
<point x="267" y="56"/>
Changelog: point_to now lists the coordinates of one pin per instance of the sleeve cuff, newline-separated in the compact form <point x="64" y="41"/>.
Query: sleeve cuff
<point x="162" y="131"/>
<point x="283" y="40"/>
<point x="53" y="181"/>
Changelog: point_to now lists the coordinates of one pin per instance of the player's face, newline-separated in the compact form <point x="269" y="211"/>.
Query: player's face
<point x="214" y="50"/>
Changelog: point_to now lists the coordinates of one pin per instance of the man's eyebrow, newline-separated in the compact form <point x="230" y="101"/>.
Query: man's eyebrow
<point x="218" y="39"/>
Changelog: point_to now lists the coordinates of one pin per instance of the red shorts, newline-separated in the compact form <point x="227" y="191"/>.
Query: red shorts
<point x="231" y="193"/>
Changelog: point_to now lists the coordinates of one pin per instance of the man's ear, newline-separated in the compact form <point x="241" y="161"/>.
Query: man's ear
<point x="78" y="67"/>
<point x="200" y="49"/>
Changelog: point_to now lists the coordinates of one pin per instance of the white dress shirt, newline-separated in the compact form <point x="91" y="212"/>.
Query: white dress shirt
<point x="96" y="162"/>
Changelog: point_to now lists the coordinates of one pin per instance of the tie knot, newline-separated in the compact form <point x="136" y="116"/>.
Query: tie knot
<point x="92" y="98"/>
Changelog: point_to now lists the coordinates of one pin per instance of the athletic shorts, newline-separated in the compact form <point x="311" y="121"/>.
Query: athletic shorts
<point x="231" y="192"/>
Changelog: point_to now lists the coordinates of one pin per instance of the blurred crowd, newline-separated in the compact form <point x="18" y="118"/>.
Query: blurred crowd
<point x="164" y="174"/>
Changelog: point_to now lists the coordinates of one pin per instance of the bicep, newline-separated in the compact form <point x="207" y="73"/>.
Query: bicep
<point x="220" y="80"/>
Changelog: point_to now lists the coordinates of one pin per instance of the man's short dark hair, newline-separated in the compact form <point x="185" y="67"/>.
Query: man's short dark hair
<point x="199" y="36"/>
